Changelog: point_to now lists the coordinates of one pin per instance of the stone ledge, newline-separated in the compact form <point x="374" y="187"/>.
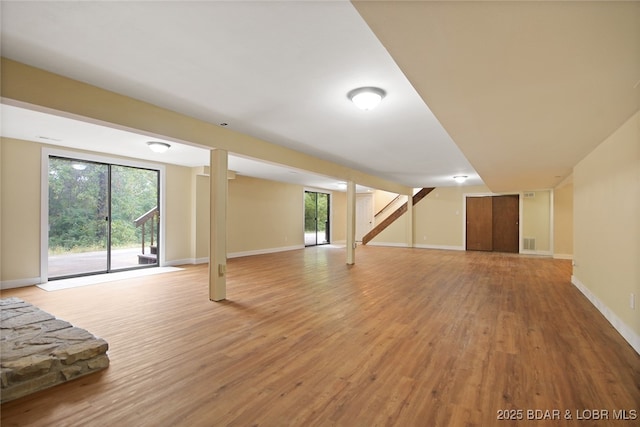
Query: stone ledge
<point x="38" y="351"/>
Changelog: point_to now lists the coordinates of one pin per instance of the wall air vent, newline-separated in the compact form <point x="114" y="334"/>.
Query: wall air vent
<point x="529" y="244"/>
<point x="529" y="195"/>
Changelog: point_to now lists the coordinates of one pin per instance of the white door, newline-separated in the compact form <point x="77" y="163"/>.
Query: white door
<point x="364" y="215"/>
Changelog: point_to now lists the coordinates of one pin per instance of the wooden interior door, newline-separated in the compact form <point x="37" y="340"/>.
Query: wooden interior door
<point x="479" y="224"/>
<point x="505" y="211"/>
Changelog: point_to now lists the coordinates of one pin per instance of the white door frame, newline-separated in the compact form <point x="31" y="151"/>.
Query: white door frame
<point x="44" y="197"/>
<point x="364" y="222"/>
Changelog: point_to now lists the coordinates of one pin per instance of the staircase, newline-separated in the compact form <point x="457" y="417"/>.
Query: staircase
<point x="395" y="215"/>
<point x="150" y="258"/>
<point x="150" y="219"/>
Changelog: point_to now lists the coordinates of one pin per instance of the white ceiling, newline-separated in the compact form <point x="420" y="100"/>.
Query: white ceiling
<point x="526" y="89"/>
<point x="279" y="71"/>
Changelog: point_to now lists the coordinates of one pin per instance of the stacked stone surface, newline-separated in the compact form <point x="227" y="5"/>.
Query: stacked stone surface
<point x="38" y="351"/>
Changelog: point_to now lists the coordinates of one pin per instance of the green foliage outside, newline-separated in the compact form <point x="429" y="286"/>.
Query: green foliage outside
<point x="79" y="205"/>
<point x="316" y="205"/>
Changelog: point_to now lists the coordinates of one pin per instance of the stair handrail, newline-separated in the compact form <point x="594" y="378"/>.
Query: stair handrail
<point x="142" y="220"/>
<point x="387" y="205"/>
<point x="146" y="217"/>
<point x="395" y="215"/>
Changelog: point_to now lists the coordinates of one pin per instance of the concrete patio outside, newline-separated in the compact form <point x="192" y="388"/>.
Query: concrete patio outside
<point x="94" y="261"/>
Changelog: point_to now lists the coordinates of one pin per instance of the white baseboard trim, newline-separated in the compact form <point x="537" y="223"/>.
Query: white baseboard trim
<point x="176" y="262"/>
<point x="395" y="245"/>
<point x="627" y="333"/>
<point x="263" y="251"/>
<point x="440" y="247"/>
<point x="539" y="253"/>
<point x="19" y="283"/>
<point x="205" y="260"/>
<point x="562" y="256"/>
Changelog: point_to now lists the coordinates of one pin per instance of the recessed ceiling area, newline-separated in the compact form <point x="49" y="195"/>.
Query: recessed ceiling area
<point x="278" y="71"/>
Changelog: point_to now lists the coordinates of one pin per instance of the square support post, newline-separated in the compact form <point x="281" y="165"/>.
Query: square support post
<point x="410" y="221"/>
<point x="218" y="225"/>
<point x="351" y="222"/>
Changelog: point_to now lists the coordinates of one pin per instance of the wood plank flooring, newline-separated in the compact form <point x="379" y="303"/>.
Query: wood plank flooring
<point x="405" y="337"/>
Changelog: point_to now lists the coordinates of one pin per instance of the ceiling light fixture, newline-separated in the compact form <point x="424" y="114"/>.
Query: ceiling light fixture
<point x="79" y="166"/>
<point x="460" y="178"/>
<point x="366" y="98"/>
<point x="158" y="147"/>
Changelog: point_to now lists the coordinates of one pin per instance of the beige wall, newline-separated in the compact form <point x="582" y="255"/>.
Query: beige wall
<point x="20" y="192"/>
<point x="394" y="235"/>
<point x="201" y="235"/>
<point x="264" y="215"/>
<point x="536" y="219"/>
<point x="439" y="219"/>
<point x="339" y="219"/>
<point x="20" y="224"/>
<point x="380" y="201"/>
<point x="178" y="214"/>
<point x="606" y="240"/>
<point x="563" y="221"/>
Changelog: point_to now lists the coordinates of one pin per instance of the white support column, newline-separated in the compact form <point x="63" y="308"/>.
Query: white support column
<point x="351" y="222"/>
<point x="410" y="223"/>
<point x="218" y="225"/>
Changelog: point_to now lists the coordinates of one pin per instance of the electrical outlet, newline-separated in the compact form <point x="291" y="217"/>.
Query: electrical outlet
<point x="632" y="301"/>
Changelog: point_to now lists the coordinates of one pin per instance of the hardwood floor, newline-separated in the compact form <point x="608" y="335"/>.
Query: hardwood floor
<point x="406" y="337"/>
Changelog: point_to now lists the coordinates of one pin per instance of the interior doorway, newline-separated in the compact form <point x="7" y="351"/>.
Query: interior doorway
<point x="317" y="227"/>
<point x="101" y="217"/>
<point x="364" y="215"/>
<point x="492" y="223"/>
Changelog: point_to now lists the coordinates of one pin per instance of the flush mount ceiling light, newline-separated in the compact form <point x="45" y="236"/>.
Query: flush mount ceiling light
<point x="158" y="147"/>
<point x="366" y="98"/>
<point x="460" y="178"/>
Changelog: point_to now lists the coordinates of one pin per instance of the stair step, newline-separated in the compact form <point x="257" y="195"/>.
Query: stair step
<point x="147" y="259"/>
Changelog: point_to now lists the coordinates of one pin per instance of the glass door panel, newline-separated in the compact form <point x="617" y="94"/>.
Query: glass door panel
<point x="309" y="218"/>
<point x="316" y="218"/>
<point x="322" y="230"/>
<point x="134" y="217"/>
<point x="102" y="217"/>
<point x="78" y="217"/>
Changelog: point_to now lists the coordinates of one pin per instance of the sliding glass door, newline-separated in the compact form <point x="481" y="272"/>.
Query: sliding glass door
<point x="316" y="218"/>
<point x="102" y="217"/>
<point x="78" y="217"/>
